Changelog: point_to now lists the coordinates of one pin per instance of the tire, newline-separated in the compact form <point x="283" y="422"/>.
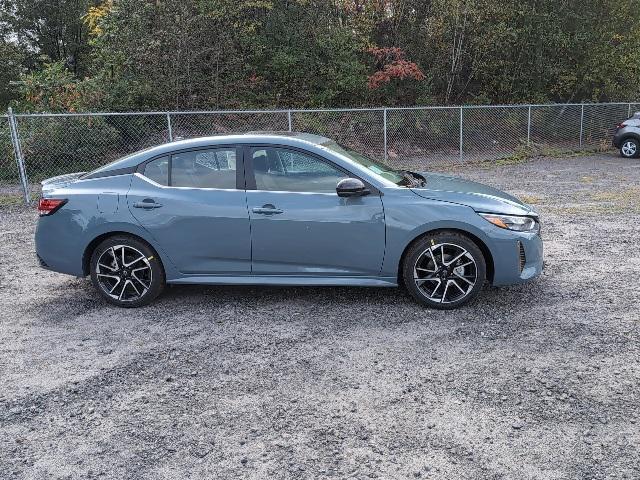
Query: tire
<point x="630" y="147"/>
<point x="447" y="286"/>
<point x="133" y="283"/>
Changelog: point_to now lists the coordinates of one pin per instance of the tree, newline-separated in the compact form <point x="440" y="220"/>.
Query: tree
<point x="48" y="31"/>
<point x="55" y="89"/>
<point x="203" y="54"/>
<point x="12" y="58"/>
<point x="392" y="74"/>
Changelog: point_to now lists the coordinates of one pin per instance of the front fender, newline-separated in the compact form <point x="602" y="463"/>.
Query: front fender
<point x="409" y="218"/>
<point x="399" y="238"/>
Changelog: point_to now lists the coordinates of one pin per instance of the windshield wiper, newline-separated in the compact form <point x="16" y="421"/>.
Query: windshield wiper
<point x="414" y="179"/>
<point x="420" y="178"/>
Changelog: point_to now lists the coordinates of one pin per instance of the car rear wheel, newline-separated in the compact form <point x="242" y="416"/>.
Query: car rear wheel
<point x="126" y="271"/>
<point x="630" y="148"/>
<point x="444" y="271"/>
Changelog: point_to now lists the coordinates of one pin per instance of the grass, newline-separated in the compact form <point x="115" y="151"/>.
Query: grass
<point x="531" y="199"/>
<point x="626" y="200"/>
<point x="587" y="179"/>
<point x="16" y="199"/>
<point x="11" y="200"/>
<point x="525" y="153"/>
<point x="628" y="197"/>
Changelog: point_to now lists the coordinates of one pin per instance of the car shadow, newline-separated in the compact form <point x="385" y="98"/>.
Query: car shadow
<point x="79" y="298"/>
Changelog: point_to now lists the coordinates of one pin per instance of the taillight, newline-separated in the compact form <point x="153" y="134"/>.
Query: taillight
<point x="48" y="206"/>
<point x="620" y="125"/>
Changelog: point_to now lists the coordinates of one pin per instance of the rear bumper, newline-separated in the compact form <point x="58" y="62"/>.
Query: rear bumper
<point x="58" y="245"/>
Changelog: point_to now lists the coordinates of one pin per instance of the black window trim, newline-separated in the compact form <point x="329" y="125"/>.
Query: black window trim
<point x="240" y="181"/>
<point x="250" y="178"/>
<point x="110" y="173"/>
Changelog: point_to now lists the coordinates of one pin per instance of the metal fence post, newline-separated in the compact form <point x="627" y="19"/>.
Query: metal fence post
<point x="289" y="120"/>
<point x="629" y="112"/>
<point x="169" y="127"/>
<point x="17" y="151"/>
<point x="581" y="122"/>
<point x="529" y="127"/>
<point x="384" y="132"/>
<point x="461" y="133"/>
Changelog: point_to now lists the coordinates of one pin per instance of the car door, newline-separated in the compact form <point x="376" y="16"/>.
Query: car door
<point x="300" y="226"/>
<point x="189" y="202"/>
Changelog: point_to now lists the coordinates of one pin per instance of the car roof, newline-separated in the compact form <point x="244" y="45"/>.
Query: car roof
<point x="281" y="138"/>
<point x="252" y="137"/>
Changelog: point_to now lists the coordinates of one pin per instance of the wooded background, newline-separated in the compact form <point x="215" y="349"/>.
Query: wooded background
<point x="116" y="55"/>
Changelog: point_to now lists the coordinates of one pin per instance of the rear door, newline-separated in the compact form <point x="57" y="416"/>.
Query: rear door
<point x="190" y="203"/>
<point x="299" y="225"/>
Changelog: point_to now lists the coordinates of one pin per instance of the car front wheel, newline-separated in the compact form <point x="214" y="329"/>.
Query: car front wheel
<point x="126" y="271"/>
<point x="630" y="148"/>
<point x="444" y="271"/>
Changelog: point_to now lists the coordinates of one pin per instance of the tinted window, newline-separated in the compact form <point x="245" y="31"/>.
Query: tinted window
<point x="158" y="170"/>
<point x="280" y="169"/>
<point x="213" y="168"/>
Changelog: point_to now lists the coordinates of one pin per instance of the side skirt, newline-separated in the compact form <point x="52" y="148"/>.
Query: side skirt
<point x="287" y="280"/>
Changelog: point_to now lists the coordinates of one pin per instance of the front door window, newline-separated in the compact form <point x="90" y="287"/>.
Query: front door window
<point x="282" y="170"/>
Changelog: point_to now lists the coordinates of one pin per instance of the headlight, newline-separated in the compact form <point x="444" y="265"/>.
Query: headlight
<point x="512" y="222"/>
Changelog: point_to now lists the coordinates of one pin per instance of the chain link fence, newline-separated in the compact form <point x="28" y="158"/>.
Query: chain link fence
<point x="8" y="168"/>
<point x="362" y="130"/>
<point x="37" y="146"/>
<point x="201" y="124"/>
<point x="429" y="135"/>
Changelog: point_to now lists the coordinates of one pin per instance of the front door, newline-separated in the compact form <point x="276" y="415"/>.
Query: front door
<point x="189" y="203"/>
<point x="299" y="225"/>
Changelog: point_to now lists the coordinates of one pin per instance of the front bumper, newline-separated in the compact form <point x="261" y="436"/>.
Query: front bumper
<point x="518" y="259"/>
<point x="617" y="139"/>
<point x="534" y="255"/>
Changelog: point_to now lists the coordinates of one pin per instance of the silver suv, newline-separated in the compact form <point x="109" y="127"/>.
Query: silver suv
<point x="627" y="137"/>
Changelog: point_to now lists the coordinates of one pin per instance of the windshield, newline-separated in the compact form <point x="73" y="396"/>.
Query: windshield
<point x="399" y="177"/>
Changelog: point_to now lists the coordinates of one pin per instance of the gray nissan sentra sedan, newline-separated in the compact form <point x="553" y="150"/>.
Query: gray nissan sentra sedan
<point x="281" y="209"/>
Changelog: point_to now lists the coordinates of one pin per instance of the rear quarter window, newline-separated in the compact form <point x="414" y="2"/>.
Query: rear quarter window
<point x="158" y="170"/>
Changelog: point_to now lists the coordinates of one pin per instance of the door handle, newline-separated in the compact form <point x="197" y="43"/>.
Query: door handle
<point x="267" y="209"/>
<point x="147" y="204"/>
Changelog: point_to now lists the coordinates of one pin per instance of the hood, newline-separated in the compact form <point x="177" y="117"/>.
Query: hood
<point x="481" y="198"/>
<point x="60" y="181"/>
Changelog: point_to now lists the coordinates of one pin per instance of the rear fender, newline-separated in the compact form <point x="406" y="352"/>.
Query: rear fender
<point x="103" y="231"/>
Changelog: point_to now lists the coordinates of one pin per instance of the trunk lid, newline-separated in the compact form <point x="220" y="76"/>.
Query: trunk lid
<point x="54" y="183"/>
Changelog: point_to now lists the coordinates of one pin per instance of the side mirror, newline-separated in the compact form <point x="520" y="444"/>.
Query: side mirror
<point x="351" y="187"/>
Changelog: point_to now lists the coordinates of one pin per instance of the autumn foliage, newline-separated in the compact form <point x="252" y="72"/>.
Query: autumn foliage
<point x="250" y="54"/>
<point x="392" y="65"/>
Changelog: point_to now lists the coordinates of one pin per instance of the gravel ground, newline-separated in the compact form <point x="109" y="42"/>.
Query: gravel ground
<point x="530" y="382"/>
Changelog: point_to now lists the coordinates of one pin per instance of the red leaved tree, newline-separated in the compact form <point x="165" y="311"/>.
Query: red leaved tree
<point x="391" y="64"/>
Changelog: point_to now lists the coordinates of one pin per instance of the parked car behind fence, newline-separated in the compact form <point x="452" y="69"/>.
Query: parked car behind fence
<point x="627" y="137"/>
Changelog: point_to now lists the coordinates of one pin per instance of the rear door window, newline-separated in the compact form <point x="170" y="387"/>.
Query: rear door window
<point x="211" y="168"/>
